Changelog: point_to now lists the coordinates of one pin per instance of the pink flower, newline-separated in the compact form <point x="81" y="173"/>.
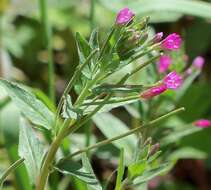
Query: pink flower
<point x="198" y="62"/>
<point x="164" y="63"/>
<point x="158" y="37"/>
<point x="172" y="42"/>
<point x="124" y="16"/>
<point x="154" y="91"/>
<point x="172" y="80"/>
<point x="203" y="123"/>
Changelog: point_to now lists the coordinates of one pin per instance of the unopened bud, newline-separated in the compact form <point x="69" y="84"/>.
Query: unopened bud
<point x="154" y="149"/>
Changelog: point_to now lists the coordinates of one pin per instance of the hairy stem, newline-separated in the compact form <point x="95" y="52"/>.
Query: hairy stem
<point x="108" y="141"/>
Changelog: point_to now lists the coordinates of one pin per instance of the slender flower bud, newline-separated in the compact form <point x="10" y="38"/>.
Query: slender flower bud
<point x="198" y="62"/>
<point x="158" y="37"/>
<point x="171" y="42"/>
<point x="164" y="63"/>
<point x="172" y="80"/>
<point x="154" y="91"/>
<point x="124" y="16"/>
<point x="202" y="123"/>
<point x="154" y="149"/>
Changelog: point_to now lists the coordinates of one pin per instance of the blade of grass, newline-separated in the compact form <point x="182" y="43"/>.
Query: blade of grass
<point x="47" y="34"/>
<point x="9" y="170"/>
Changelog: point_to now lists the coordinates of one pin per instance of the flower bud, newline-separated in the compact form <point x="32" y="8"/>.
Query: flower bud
<point x="124" y="16"/>
<point x="158" y="37"/>
<point x="202" y="123"/>
<point x="154" y="91"/>
<point x="154" y="149"/>
<point x="198" y="63"/>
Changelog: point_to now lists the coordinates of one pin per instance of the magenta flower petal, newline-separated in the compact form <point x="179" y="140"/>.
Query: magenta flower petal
<point x="164" y="63"/>
<point x="124" y="16"/>
<point x="198" y="62"/>
<point x="172" y="42"/>
<point x="172" y="80"/>
<point x="203" y="123"/>
<point x="154" y="91"/>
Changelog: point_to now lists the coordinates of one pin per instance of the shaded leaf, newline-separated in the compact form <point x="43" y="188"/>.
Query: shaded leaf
<point x="176" y="136"/>
<point x="84" y="173"/>
<point x="111" y="126"/>
<point x="187" y="153"/>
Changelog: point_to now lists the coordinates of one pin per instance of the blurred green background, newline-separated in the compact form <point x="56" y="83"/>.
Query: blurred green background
<point x="23" y="58"/>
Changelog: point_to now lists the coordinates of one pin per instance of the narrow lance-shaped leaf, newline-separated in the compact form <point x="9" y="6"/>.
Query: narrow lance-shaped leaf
<point x="150" y="174"/>
<point x="31" y="149"/>
<point x="29" y="105"/>
<point x="120" y="171"/>
<point x="106" y="88"/>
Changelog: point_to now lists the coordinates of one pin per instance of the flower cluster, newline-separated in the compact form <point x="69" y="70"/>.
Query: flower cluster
<point x="134" y="37"/>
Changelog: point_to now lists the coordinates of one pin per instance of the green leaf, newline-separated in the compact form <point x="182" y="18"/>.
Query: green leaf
<point x="176" y="136"/>
<point x="106" y="88"/>
<point x="31" y="149"/>
<point x="84" y="51"/>
<point x="10" y="132"/>
<point x="150" y="174"/>
<point x="29" y="105"/>
<point x="69" y="111"/>
<point x="94" y="39"/>
<point x="137" y="169"/>
<point x="111" y="126"/>
<point x="146" y="7"/>
<point x="84" y="173"/>
<point x="120" y="171"/>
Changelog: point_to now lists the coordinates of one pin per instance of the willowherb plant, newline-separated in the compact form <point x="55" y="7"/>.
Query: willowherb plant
<point x="126" y="42"/>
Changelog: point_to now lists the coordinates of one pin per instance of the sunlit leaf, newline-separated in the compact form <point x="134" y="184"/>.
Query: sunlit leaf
<point x="31" y="149"/>
<point x="29" y="105"/>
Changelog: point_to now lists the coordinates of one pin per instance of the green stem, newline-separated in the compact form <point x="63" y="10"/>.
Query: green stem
<point x="10" y="170"/>
<point x="108" y="141"/>
<point x="91" y="14"/>
<point x="45" y="170"/>
<point x="72" y="82"/>
<point x="48" y="45"/>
